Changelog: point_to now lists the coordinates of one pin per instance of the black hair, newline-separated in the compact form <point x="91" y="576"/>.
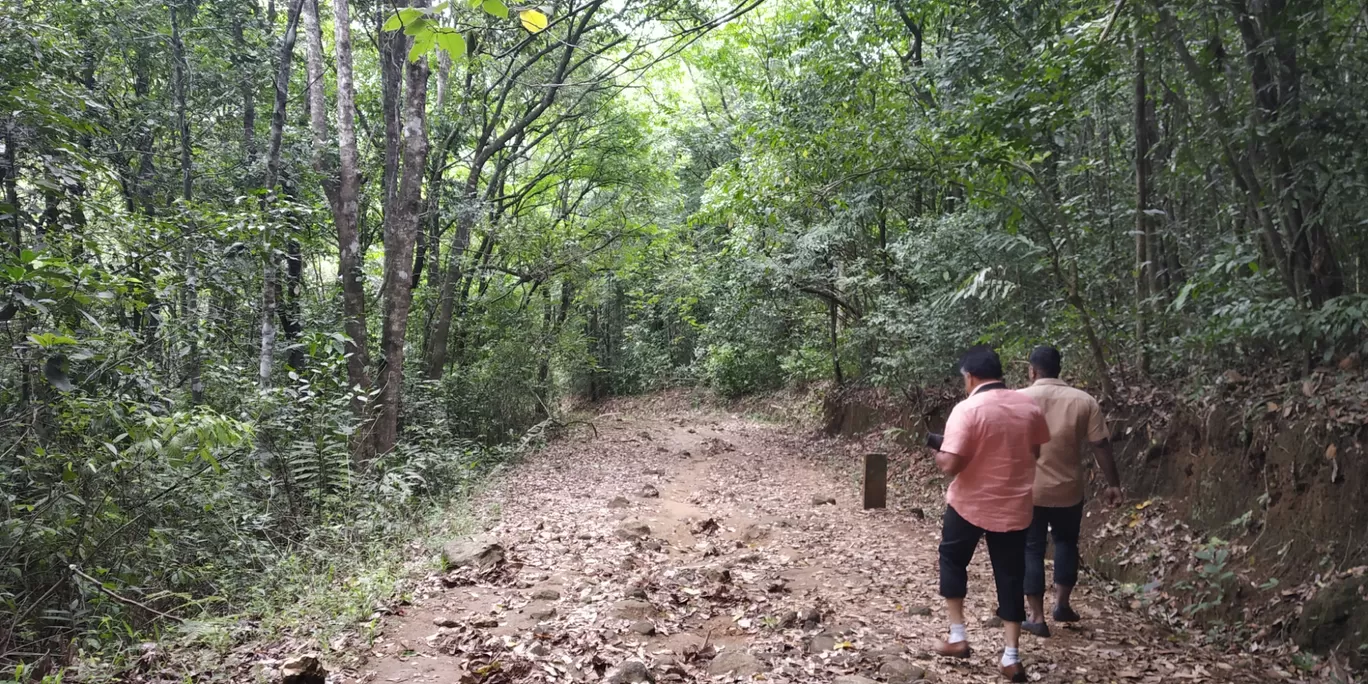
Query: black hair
<point x="981" y="362"/>
<point x="1047" y="361"/>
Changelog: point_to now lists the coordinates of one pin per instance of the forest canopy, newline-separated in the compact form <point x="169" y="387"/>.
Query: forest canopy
<point x="281" y="275"/>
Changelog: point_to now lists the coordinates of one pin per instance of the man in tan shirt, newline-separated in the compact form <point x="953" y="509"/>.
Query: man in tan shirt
<point x="1075" y="419"/>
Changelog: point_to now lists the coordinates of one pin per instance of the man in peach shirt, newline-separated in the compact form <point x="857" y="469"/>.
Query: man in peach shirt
<point x="990" y="446"/>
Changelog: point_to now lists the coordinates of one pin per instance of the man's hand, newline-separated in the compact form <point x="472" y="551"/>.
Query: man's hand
<point x="1113" y="496"/>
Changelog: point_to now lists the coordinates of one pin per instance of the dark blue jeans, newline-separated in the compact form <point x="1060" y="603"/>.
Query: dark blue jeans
<point x="959" y="538"/>
<point x="1062" y="525"/>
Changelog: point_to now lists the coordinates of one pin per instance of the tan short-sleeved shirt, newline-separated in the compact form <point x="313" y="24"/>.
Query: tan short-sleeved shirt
<point x="1074" y="418"/>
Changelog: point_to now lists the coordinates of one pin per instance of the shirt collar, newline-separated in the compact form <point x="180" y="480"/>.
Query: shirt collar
<point x="989" y="386"/>
<point x="1050" y="381"/>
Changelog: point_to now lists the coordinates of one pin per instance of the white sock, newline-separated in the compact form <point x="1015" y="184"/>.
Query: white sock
<point x="1010" y="656"/>
<point x="957" y="634"/>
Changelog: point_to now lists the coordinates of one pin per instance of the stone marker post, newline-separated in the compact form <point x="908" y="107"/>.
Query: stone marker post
<point x="876" y="481"/>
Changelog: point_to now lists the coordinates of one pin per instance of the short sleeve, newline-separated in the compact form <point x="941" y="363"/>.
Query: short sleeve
<point x="1097" y="427"/>
<point x="960" y="432"/>
<point x="1040" y="429"/>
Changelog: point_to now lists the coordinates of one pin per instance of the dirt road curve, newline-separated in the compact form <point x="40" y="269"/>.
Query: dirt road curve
<point x="697" y="545"/>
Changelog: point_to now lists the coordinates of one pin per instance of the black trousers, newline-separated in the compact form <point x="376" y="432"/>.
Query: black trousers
<point x="1006" y="551"/>
<point x="1062" y="524"/>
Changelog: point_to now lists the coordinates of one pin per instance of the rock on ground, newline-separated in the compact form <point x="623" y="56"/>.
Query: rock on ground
<point x="303" y="670"/>
<point x="633" y="531"/>
<point x="853" y="679"/>
<point x="735" y="663"/>
<point x="1336" y="616"/>
<point x="899" y="671"/>
<point x="821" y="644"/>
<point x="629" y="672"/>
<point x="480" y="552"/>
<point x="633" y="609"/>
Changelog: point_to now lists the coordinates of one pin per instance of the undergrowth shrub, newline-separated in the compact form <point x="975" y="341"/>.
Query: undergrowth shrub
<point x="203" y="515"/>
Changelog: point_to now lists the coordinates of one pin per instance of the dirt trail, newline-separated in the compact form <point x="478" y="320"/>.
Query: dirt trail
<point x="741" y="560"/>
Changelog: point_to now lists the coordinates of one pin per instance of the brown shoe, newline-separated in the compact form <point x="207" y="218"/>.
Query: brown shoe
<point x="1016" y="672"/>
<point x="959" y="649"/>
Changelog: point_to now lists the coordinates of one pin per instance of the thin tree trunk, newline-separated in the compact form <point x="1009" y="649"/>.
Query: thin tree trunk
<point x="401" y="231"/>
<point x="9" y="177"/>
<point x="350" y="259"/>
<point x="832" y="318"/>
<point x="1143" y="281"/>
<point x="247" y="88"/>
<point x="290" y="323"/>
<point x="191" y="309"/>
<point x="269" y="272"/>
<point x="393" y="47"/>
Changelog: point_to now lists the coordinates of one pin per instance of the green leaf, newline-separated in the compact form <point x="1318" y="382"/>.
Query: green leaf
<point x="496" y="8"/>
<point x="422" y="44"/>
<point x="418" y="26"/>
<point x="1183" y="295"/>
<point x="453" y="43"/>
<point x="402" y="18"/>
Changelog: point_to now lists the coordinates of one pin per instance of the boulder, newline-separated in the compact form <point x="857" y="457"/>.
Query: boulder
<point x="479" y="552"/>
<point x="305" y="669"/>
<point x="629" y="672"/>
<point x="735" y="663"/>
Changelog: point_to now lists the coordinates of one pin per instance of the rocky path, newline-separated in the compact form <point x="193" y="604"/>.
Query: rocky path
<point x="693" y="547"/>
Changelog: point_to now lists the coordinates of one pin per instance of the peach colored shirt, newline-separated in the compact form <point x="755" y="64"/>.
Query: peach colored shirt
<point x="994" y="431"/>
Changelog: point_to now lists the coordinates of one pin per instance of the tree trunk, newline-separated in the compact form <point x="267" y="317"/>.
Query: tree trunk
<point x="832" y="319"/>
<point x="12" y="214"/>
<point x="190" y="312"/>
<point x="401" y="231"/>
<point x="350" y="259"/>
<point x="1144" y="286"/>
<point x="290" y="322"/>
<point x="393" y="49"/>
<point x="446" y="305"/>
<point x="248" y="90"/>
<point x="269" y="272"/>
